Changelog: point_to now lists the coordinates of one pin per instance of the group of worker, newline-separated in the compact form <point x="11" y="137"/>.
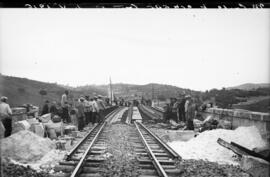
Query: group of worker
<point x="186" y="108"/>
<point x="78" y="112"/>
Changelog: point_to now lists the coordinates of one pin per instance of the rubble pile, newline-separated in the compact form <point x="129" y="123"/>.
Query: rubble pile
<point x="46" y="163"/>
<point x="12" y="170"/>
<point x="205" y="145"/>
<point x="26" y="146"/>
<point x="201" y="168"/>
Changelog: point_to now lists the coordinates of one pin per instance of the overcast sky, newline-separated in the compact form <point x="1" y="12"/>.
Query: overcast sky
<point x="198" y="49"/>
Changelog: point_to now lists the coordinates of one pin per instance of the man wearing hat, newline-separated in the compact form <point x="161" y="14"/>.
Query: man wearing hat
<point x="181" y="109"/>
<point x="87" y="109"/>
<point x="65" y="105"/>
<point x="101" y="107"/>
<point x="5" y="116"/>
<point x="95" y="110"/>
<point x="45" y="108"/>
<point x="81" y="115"/>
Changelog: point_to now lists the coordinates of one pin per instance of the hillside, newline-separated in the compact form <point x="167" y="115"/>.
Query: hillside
<point x="160" y="91"/>
<point x="250" y="86"/>
<point x="257" y="105"/>
<point x="21" y="91"/>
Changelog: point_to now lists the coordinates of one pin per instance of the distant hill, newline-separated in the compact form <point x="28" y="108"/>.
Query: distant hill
<point x="22" y="90"/>
<point x="250" y="86"/>
<point x="160" y="91"/>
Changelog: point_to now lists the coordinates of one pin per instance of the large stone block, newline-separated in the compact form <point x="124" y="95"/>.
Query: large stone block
<point x="230" y="113"/>
<point x="245" y="115"/>
<point x="218" y="111"/>
<point x="18" y="110"/>
<point x="266" y="117"/>
<point x="255" y="166"/>
<point x="256" y="116"/>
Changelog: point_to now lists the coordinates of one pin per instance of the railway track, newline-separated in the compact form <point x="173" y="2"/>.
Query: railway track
<point x="88" y="154"/>
<point x="155" y="158"/>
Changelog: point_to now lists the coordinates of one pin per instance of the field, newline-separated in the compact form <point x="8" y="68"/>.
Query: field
<point x="257" y="104"/>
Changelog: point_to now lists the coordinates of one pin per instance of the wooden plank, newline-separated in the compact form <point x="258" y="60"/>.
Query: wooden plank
<point x="249" y="152"/>
<point x="231" y="147"/>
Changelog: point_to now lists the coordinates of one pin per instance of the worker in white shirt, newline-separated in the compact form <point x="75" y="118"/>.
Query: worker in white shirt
<point x="5" y="116"/>
<point x="64" y="104"/>
<point x="188" y="97"/>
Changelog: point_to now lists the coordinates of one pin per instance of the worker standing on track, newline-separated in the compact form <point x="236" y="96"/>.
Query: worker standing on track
<point x="95" y="111"/>
<point x="176" y="108"/>
<point x="87" y="109"/>
<point x="91" y="110"/>
<point x="191" y="113"/>
<point x="64" y="104"/>
<point x="74" y="116"/>
<point x="181" y="110"/>
<point x="81" y="115"/>
<point x="101" y="107"/>
<point x="5" y="116"/>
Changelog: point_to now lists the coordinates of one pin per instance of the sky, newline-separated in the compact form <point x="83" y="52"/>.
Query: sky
<point x="198" y="49"/>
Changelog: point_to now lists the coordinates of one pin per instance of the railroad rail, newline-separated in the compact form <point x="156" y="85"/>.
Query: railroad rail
<point x="151" y="112"/>
<point x="87" y="155"/>
<point x="155" y="156"/>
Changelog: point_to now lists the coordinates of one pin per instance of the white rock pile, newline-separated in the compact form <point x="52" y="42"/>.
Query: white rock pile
<point x="205" y="145"/>
<point x="26" y="146"/>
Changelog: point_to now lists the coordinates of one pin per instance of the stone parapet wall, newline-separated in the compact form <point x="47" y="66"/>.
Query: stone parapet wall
<point x="241" y="118"/>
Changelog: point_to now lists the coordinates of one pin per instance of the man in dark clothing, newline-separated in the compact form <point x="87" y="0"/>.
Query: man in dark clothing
<point x="81" y="115"/>
<point x="167" y="113"/>
<point x="53" y="109"/>
<point x="87" y="109"/>
<point x="45" y="109"/>
<point x="181" y="110"/>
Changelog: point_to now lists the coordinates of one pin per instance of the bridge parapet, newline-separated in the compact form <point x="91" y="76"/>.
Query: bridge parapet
<point x="240" y="117"/>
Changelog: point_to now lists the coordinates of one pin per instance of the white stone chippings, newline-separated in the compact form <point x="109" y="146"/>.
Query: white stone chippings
<point x="205" y="145"/>
<point x="25" y="146"/>
<point x="47" y="162"/>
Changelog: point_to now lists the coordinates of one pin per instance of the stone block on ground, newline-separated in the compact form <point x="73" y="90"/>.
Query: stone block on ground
<point x="52" y="133"/>
<point x="45" y="118"/>
<point x="39" y="129"/>
<point x="56" y="119"/>
<point x="224" y="124"/>
<point x="69" y="128"/>
<point x="255" y="166"/>
<point x="20" y="125"/>
<point x="197" y="123"/>
<point x="18" y="110"/>
<point x="58" y="127"/>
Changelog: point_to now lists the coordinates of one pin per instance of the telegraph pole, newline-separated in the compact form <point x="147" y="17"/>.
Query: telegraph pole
<point x="111" y="94"/>
<point x="152" y="92"/>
